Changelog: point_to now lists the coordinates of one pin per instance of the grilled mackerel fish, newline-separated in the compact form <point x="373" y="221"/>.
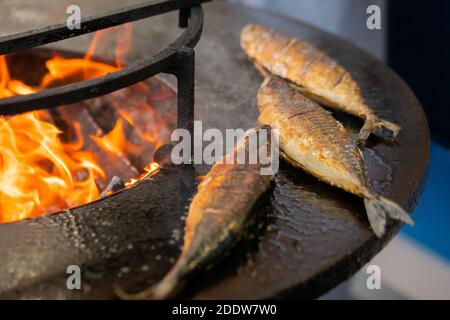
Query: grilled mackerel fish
<point x="318" y="76"/>
<point x="216" y="216"/>
<point x="311" y="139"/>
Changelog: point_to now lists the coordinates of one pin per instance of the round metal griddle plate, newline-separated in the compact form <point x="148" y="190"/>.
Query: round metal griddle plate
<point x="304" y="239"/>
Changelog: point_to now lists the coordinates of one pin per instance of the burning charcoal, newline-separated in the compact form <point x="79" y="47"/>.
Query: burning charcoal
<point x="113" y="164"/>
<point x="144" y="126"/>
<point x="163" y="155"/>
<point x="114" y="185"/>
<point x="138" y="150"/>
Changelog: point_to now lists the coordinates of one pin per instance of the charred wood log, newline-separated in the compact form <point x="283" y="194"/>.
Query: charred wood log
<point x="77" y="123"/>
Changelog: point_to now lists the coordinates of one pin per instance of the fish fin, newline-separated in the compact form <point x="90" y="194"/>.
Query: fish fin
<point x="263" y="71"/>
<point x="164" y="289"/>
<point x="373" y="123"/>
<point x="379" y="209"/>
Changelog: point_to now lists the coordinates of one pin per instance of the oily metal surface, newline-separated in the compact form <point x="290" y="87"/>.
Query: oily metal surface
<point x="306" y="237"/>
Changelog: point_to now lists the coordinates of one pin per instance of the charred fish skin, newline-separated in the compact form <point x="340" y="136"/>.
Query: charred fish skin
<point x="318" y="76"/>
<point x="216" y="216"/>
<point x="311" y="139"/>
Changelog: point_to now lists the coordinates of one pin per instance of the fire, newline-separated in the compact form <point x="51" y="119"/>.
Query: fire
<point x="149" y="170"/>
<point x="39" y="172"/>
<point x="114" y="141"/>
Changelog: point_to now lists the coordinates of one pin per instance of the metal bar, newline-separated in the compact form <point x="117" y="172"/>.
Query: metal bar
<point x="183" y="18"/>
<point x="185" y="74"/>
<point x="132" y="74"/>
<point x="30" y="39"/>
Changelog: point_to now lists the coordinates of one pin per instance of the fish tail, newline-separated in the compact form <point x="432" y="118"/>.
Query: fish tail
<point x="164" y="289"/>
<point x="372" y="123"/>
<point x="379" y="209"/>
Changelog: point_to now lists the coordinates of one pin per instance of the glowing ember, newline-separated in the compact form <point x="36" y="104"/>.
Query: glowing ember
<point x="149" y="170"/>
<point x="39" y="172"/>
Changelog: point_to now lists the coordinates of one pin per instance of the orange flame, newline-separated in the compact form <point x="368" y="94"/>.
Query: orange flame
<point x="149" y="170"/>
<point x="39" y="173"/>
<point x="115" y="141"/>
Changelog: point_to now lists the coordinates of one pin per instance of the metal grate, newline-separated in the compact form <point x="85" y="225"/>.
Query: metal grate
<point x="177" y="59"/>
